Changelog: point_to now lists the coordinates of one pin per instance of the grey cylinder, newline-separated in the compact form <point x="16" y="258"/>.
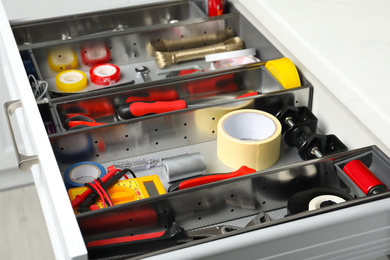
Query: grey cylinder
<point x="184" y="166"/>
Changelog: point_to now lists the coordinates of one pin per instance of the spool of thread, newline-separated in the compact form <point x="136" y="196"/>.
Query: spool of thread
<point x="249" y="137"/>
<point x="364" y="178"/>
<point x="83" y="172"/>
<point x="184" y="166"/>
<point x="105" y="74"/>
<point x="71" y="81"/>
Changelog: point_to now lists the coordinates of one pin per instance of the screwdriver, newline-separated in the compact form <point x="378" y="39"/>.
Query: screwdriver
<point x="147" y="95"/>
<point x="177" y="73"/>
<point x="193" y="182"/>
<point x="137" y="109"/>
<point x="153" y="95"/>
<point x="144" y="108"/>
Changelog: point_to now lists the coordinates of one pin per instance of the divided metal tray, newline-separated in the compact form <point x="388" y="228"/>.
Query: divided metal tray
<point x="234" y="201"/>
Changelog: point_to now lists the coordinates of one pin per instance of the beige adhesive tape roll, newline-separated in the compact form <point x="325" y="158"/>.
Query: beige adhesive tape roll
<point x="249" y="137"/>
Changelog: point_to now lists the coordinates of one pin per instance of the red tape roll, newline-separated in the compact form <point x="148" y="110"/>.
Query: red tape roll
<point x="105" y="74"/>
<point x="95" y="53"/>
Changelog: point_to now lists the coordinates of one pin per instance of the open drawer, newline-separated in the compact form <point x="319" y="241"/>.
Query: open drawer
<point x="258" y="208"/>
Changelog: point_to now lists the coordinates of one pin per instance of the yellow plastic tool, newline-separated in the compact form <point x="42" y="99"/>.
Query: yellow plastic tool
<point x="62" y="58"/>
<point x="71" y="81"/>
<point x="128" y="190"/>
<point x="285" y="72"/>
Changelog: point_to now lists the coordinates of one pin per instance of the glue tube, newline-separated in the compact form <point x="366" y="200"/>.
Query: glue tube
<point x="364" y="178"/>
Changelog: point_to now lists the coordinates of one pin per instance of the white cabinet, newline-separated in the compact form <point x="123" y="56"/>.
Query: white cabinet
<point x="11" y="175"/>
<point x="359" y="231"/>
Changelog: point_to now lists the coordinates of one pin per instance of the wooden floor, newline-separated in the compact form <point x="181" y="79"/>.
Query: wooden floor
<point x="23" y="232"/>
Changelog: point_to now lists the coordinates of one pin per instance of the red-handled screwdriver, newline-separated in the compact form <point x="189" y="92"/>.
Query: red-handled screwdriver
<point x="153" y="95"/>
<point x="177" y="73"/>
<point x="143" y="108"/>
<point x="193" y="182"/>
<point x="250" y="94"/>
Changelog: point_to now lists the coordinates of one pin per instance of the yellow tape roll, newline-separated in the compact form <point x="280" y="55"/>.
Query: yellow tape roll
<point x="249" y="137"/>
<point x="285" y="72"/>
<point x="62" y="58"/>
<point x="71" y="81"/>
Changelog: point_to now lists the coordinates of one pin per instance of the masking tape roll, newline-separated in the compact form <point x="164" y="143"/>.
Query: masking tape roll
<point x="105" y="74"/>
<point x="62" y="58"/>
<point x="71" y="81"/>
<point x="249" y="137"/>
<point x="80" y="173"/>
<point x="285" y="72"/>
<point x="318" y="201"/>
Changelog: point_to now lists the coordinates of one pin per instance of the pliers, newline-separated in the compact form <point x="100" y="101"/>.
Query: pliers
<point x="81" y="121"/>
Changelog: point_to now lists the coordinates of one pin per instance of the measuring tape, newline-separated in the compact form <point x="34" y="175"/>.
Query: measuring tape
<point x="128" y="190"/>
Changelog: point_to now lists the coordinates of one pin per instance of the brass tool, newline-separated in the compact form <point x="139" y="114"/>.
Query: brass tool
<point x="165" y="59"/>
<point x="190" y="42"/>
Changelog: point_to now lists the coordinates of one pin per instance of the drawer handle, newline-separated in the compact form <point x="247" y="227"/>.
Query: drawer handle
<point x="25" y="162"/>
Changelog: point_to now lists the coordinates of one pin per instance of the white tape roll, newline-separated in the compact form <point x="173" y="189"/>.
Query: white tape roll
<point x="316" y="202"/>
<point x="249" y="137"/>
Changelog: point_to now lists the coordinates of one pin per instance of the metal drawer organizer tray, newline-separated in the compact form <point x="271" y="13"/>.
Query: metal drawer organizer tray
<point x="236" y="201"/>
